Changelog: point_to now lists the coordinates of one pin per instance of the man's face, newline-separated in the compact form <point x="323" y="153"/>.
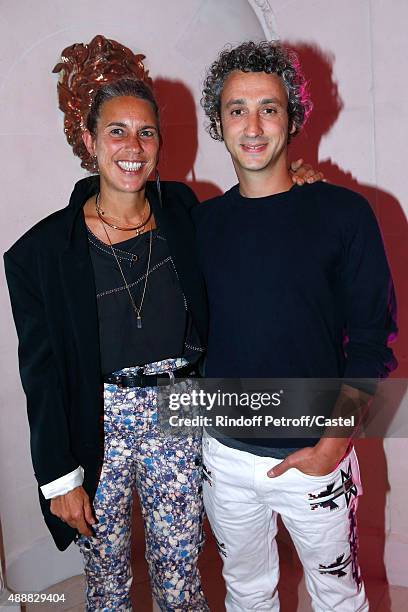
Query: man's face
<point x="254" y="120"/>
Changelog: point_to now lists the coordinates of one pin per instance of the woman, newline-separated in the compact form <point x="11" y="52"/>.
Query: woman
<point x="108" y="290"/>
<point x="117" y="258"/>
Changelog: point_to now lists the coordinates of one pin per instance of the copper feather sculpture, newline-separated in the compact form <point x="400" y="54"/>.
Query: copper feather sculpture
<point x="83" y="69"/>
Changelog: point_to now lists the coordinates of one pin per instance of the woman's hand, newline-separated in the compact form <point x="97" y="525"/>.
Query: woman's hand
<point x="304" y="173"/>
<point x="74" y="508"/>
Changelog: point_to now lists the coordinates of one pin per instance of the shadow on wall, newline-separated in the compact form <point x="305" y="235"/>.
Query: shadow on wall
<point x="327" y="106"/>
<point x="178" y="120"/>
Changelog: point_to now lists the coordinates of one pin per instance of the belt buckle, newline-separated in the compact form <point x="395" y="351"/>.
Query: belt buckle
<point x="119" y="381"/>
<point x="144" y="380"/>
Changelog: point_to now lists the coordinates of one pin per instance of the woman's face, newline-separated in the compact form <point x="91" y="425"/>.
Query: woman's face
<point x="126" y="143"/>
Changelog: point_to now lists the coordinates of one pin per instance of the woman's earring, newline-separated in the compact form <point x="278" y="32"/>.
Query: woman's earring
<point x="158" y="187"/>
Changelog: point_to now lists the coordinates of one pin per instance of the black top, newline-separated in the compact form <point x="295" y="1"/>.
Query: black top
<point x="52" y="290"/>
<point x="298" y="285"/>
<point x="122" y="343"/>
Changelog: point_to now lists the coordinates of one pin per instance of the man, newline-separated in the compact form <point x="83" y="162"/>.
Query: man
<point x="290" y="274"/>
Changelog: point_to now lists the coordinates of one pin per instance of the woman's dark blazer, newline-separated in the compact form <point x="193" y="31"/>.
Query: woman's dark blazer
<point x="52" y="289"/>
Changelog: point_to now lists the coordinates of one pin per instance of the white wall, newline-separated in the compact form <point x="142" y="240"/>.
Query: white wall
<point x="362" y="147"/>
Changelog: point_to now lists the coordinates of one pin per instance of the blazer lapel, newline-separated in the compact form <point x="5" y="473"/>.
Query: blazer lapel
<point x="80" y="293"/>
<point x="168" y="218"/>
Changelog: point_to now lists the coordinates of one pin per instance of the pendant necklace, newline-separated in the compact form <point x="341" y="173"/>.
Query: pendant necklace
<point x="137" y="228"/>
<point x="137" y="310"/>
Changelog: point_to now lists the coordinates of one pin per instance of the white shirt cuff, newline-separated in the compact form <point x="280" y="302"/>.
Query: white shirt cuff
<point x="64" y="484"/>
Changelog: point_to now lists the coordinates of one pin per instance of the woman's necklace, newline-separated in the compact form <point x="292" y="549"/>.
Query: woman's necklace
<point x="138" y="311"/>
<point x="138" y="228"/>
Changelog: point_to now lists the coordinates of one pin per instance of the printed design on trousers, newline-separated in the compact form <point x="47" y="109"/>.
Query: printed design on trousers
<point x="330" y="493"/>
<point x="337" y="568"/>
<point x="207" y="475"/>
<point x="355" y="569"/>
<point x="166" y="471"/>
<point x="221" y="547"/>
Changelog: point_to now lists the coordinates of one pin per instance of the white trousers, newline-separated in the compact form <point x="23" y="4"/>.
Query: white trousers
<point x="242" y="505"/>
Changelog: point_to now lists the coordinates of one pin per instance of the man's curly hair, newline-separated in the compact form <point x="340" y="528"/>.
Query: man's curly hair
<point x="269" y="57"/>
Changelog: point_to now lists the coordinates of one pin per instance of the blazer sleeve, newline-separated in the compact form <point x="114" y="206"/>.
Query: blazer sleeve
<point x="47" y="415"/>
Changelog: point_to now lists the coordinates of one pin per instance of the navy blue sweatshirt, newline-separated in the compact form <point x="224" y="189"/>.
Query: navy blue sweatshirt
<point x="298" y="285"/>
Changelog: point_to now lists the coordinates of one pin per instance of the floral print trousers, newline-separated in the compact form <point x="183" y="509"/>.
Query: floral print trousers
<point x="166" y="472"/>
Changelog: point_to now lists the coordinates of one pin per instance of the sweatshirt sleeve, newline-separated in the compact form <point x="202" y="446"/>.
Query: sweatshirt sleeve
<point x="370" y="303"/>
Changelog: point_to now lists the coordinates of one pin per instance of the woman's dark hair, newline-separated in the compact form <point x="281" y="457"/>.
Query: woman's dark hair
<point x="123" y="87"/>
<point x="269" y="57"/>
